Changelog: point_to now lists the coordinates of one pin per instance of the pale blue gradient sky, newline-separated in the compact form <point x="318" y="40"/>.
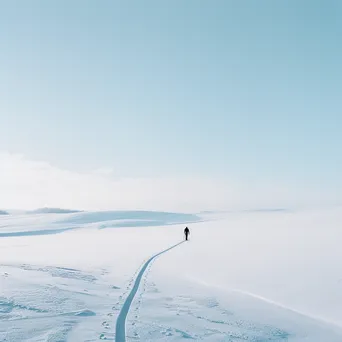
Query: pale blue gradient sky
<point x="243" y="90"/>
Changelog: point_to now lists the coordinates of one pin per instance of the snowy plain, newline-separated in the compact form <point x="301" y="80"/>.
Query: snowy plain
<point x="243" y="276"/>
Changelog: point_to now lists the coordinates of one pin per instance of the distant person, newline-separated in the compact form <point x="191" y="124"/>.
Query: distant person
<point x="186" y="233"/>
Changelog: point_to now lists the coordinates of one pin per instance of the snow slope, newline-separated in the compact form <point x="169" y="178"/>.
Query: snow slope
<point x="252" y="276"/>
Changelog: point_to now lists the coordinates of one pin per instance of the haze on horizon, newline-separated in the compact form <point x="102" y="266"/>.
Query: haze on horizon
<point x="170" y="105"/>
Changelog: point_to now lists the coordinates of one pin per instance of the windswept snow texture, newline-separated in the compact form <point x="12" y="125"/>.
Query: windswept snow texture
<point x="251" y="276"/>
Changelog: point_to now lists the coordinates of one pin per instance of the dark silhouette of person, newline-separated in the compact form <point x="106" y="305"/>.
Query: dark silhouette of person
<point x="186" y="233"/>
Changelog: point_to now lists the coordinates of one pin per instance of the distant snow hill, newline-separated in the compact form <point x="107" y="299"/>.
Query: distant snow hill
<point x="112" y="219"/>
<point x="53" y="211"/>
<point x="51" y="221"/>
<point x="3" y="212"/>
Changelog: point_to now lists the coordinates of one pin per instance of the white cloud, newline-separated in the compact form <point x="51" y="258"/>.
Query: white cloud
<point x="27" y="184"/>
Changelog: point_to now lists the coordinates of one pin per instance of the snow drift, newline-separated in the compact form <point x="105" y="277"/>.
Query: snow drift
<point x="252" y="276"/>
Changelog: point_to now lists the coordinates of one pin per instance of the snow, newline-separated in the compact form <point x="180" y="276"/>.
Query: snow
<point x="52" y="211"/>
<point x="244" y="276"/>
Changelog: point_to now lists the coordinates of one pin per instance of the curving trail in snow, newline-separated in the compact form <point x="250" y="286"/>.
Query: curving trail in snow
<point x="120" y="331"/>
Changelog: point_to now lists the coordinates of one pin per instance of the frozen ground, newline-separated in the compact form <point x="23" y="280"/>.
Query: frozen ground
<point x="252" y="276"/>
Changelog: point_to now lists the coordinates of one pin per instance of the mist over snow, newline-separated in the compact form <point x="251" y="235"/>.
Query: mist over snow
<point x="28" y="184"/>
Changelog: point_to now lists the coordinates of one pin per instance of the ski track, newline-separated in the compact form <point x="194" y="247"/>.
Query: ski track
<point x="120" y="331"/>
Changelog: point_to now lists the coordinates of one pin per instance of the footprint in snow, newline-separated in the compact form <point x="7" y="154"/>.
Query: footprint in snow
<point x="105" y="325"/>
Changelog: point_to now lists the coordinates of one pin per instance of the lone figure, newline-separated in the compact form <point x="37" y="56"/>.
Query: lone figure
<point x="186" y="233"/>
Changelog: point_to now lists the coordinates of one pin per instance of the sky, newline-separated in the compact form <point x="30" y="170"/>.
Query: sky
<point x="171" y="104"/>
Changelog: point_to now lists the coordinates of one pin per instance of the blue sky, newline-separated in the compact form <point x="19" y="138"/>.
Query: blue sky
<point x="239" y="91"/>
